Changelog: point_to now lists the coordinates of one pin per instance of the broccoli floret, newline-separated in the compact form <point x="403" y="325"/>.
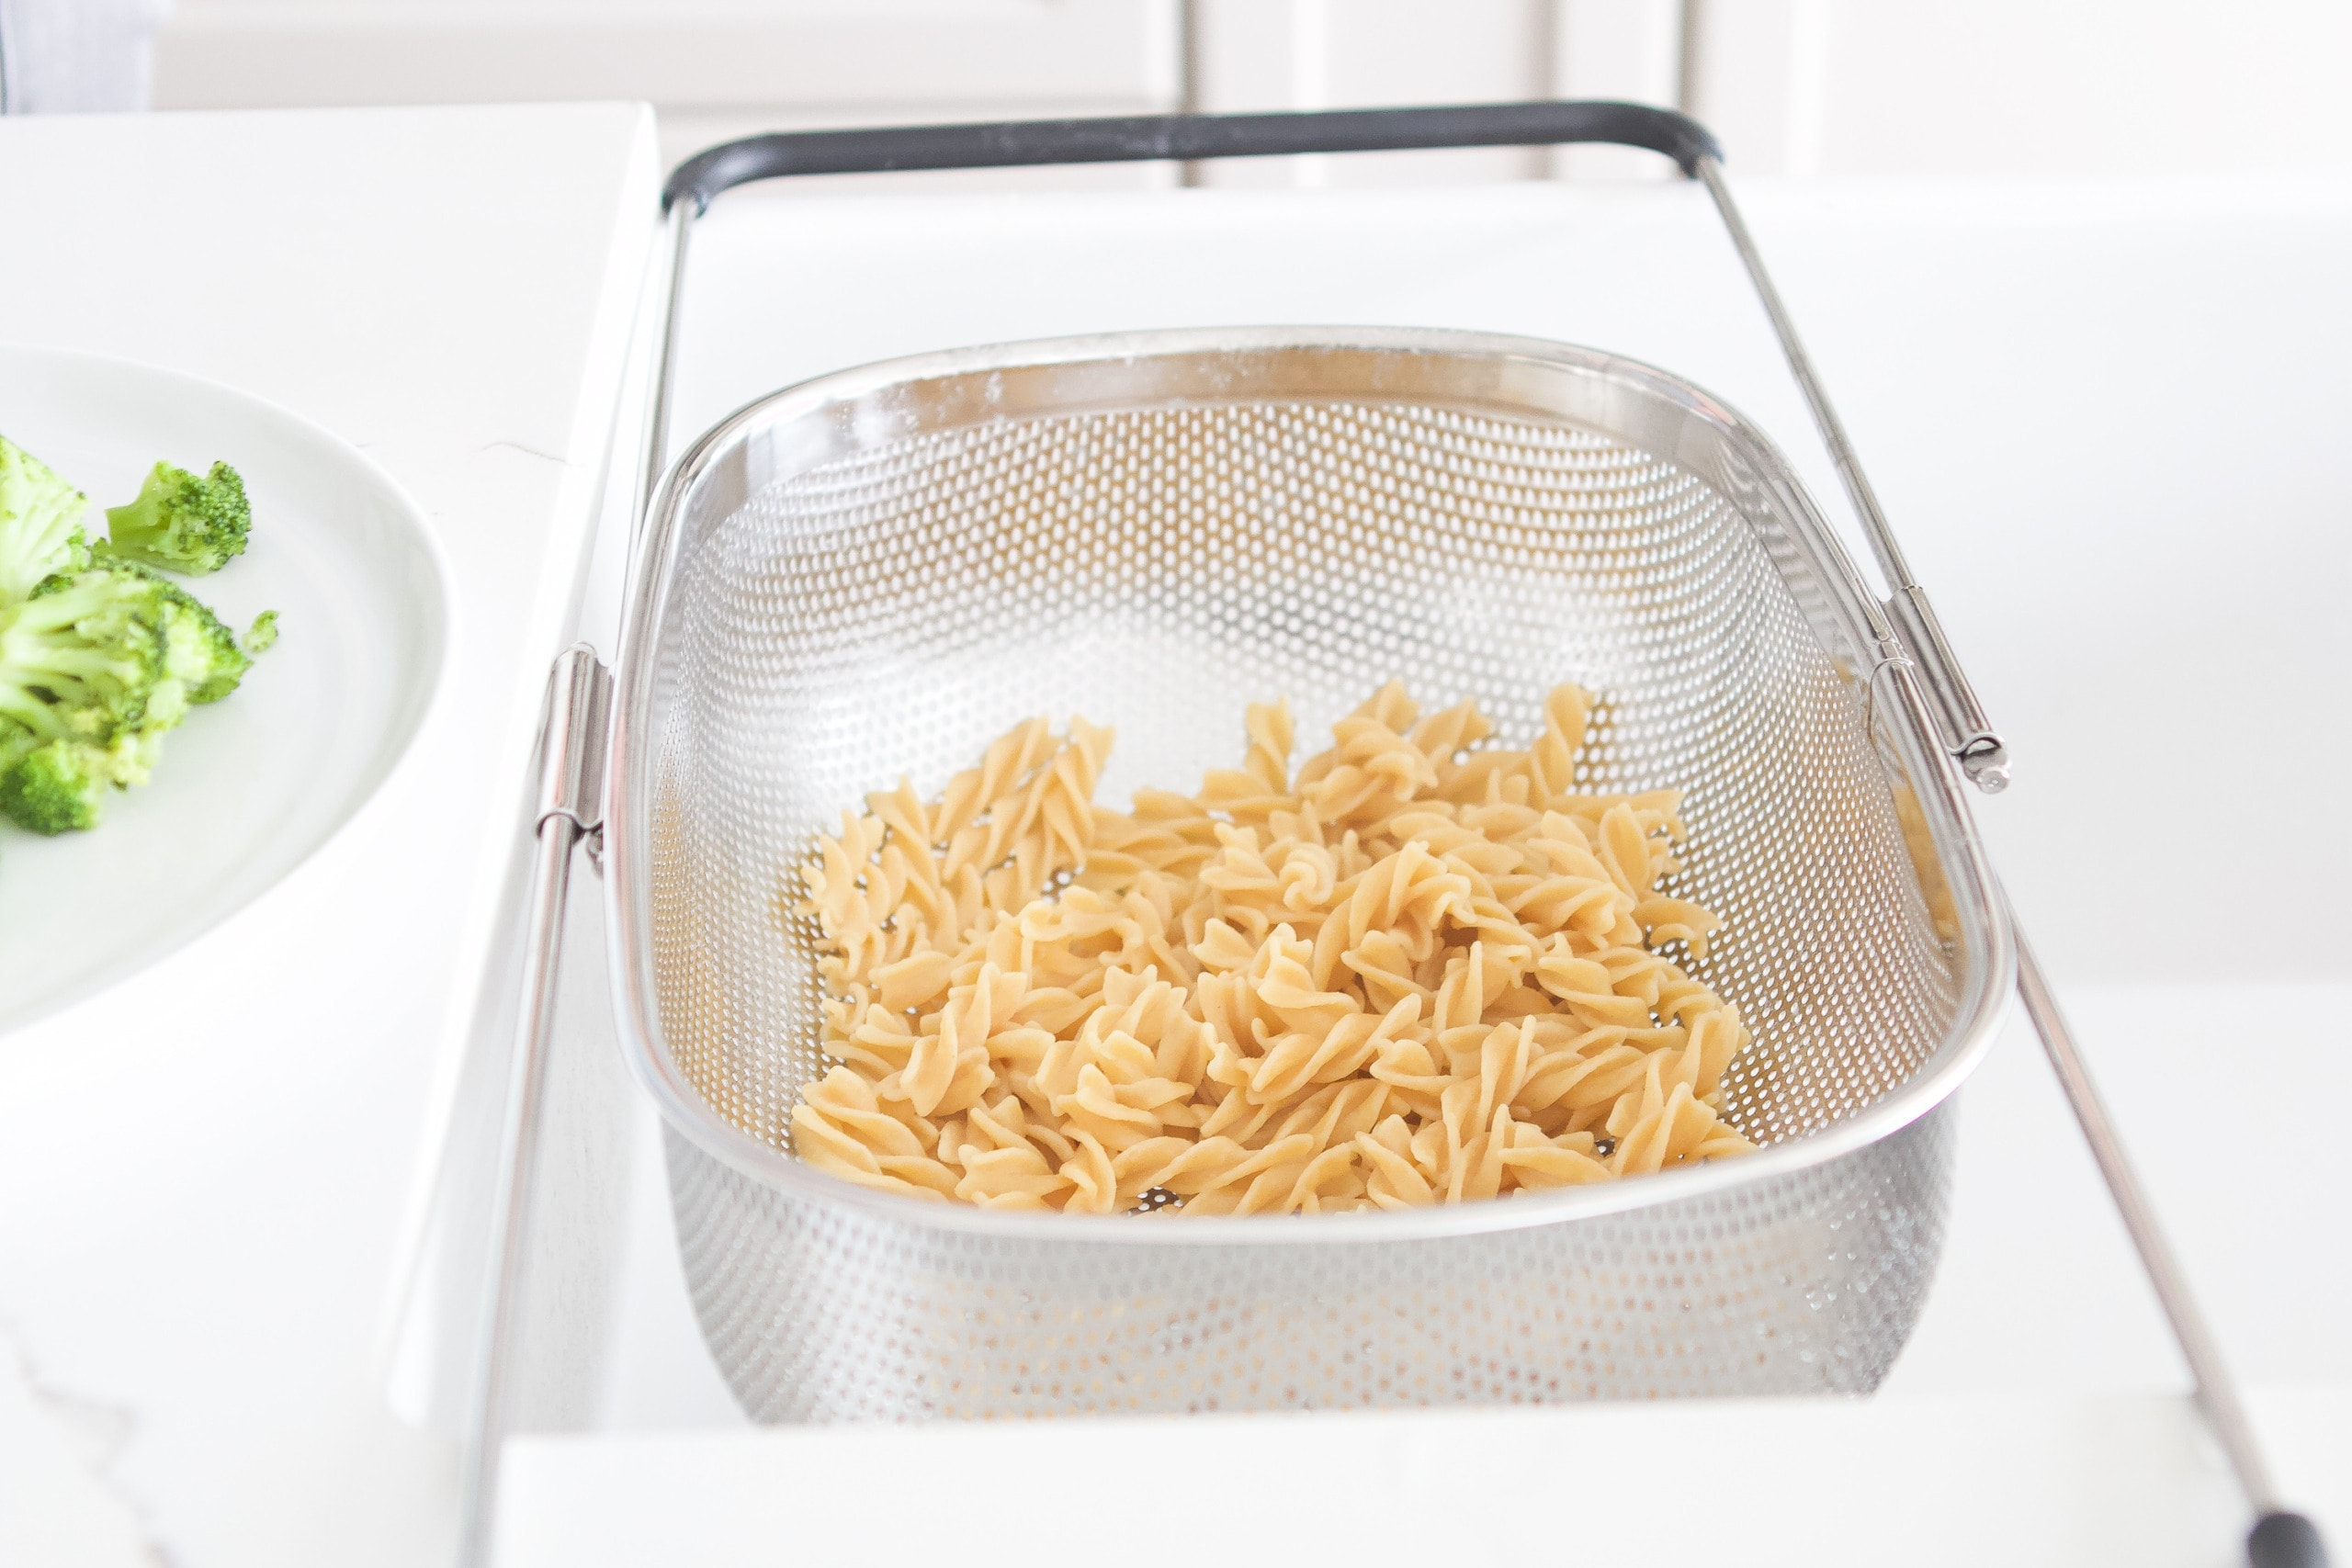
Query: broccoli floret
<point x="15" y="741"/>
<point x="200" y="653"/>
<point x="85" y="657"/>
<point x="93" y="668"/>
<point x="60" y="786"/>
<point x="182" y="521"/>
<point x="40" y="524"/>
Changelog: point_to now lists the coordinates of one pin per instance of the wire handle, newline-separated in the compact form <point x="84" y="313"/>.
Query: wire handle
<point x="2285" y="1540"/>
<point x="1186" y="137"/>
<point x="570" y="808"/>
<point x="1967" y="734"/>
<point x="2280" y="1539"/>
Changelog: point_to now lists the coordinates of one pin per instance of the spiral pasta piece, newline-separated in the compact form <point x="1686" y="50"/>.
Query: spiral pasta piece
<point x="1418" y="969"/>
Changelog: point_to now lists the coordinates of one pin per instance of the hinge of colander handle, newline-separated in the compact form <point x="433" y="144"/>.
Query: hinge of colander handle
<point x="572" y="749"/>
<point x="1966" y="733"/>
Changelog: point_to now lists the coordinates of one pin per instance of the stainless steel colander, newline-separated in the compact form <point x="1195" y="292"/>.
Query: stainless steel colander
<point x="873" y="573"/>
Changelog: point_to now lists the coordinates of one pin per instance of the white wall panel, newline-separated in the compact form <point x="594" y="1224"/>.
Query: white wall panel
<point x="1794" y="87"/>
<point x="712" y="68"/>
<point x="1742" y="74"/>
<point x="703" y="53"/>
<point x="1629" y="49"/>
<point x="2005" y="87"/>
<point x="2086" y="87"/>
<point x="1301" y="55"/>
<point x="1407" y="51"/>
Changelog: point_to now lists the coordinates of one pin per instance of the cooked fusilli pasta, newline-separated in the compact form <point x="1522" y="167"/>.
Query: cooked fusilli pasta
<point x="1418" y="970"/>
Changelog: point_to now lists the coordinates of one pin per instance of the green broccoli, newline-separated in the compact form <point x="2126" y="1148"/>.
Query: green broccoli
<point x="182" y="521"/>
<point x="203" y="655"/>
<point x="60" y="786"/>
<point x="100" y="653"/>
<point x="40" y="524"/>
<point x="94" y="669"/>
<point x="87" y="687"/>
<point x="83" y="656"/>
<point x="15" y="741"/>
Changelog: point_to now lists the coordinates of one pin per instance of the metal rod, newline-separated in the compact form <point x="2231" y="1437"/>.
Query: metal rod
<point x="569" y="804"/>
<point x="2216" y="1395"/>
<point x="681" y="218"/>
<point x="488" y="1412"/>
<point x="1882" y="541"/>
<point x="1967" y="732"/>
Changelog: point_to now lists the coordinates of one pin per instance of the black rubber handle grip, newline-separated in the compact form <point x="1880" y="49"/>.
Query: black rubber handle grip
<point x="2285" y="1540"/>
<point x="1145" y="138"/>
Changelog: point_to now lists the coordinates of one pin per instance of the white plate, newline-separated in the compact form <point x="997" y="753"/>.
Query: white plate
<point x="249" y="786"/>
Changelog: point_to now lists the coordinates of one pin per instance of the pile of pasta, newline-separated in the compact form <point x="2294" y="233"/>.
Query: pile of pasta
<point x="1418" y="970"/>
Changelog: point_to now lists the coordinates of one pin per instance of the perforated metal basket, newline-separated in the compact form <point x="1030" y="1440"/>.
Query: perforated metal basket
<point x="873" y="573"/>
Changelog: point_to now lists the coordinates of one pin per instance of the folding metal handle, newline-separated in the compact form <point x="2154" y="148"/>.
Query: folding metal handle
<point x="2280" y="1537"/>
<point x="570" y="808"/>
<point x="1143" y="138"/>
<point x="1961" y="723"/>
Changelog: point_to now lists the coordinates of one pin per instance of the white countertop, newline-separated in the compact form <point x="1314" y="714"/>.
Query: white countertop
<point x="2107" y="421"/>
<point x="207" y="1166"/>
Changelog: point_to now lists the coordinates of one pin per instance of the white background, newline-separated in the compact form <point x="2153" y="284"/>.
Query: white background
<point x="1802" y="87"/>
